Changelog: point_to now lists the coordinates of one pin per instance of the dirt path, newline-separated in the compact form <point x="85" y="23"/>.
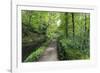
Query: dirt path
<point x="50" y="53"/>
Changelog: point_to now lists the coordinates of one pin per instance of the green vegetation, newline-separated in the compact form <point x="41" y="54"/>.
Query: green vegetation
<point x="35" y="55"/>
<point x="74" y="44"/>
<point x="70" y="30"/>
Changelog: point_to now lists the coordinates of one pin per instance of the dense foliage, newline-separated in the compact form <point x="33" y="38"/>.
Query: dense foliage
<point x="71" y="31"/>
<point x="75" y="45"/>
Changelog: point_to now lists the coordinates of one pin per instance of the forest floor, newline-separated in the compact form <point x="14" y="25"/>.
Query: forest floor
<point x="50" y="54"/>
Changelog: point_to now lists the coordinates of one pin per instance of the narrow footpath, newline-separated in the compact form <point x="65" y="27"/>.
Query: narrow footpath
<point x="50" y="54"/>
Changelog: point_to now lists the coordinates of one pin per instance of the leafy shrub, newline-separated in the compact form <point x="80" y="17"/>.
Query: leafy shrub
<point x="72" y="49"/>
<point x="31" y="43"/>
<point x="35" y="55"/>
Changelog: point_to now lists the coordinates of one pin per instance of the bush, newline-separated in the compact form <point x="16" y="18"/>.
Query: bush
<point x="35" y="55"/>
<point x="31" y="43"/>
<point x="72" y="49"/>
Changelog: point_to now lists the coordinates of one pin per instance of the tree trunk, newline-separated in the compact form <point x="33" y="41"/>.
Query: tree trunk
<point x="30" y="16"/>
<point x="73" y="24"/>
<point x="85" y="31"/>
<point x="66" y="14"/>
<point x="85" y="24"/>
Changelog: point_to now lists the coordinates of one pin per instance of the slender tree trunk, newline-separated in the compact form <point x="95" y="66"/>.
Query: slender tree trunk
<point x="85" y="30"/>
<point x="30" y="16"/>
<point x="66" y="14"/>
<point x="73" y="24"/>
<point x="85" y="24"/>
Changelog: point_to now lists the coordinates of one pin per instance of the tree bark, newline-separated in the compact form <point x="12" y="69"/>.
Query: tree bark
<point x="73" y="25"/>
<point x="85" y="23"/>
<point x="85" y="30"/>
<point x="30" y="16"/>
<point x="66" y="14"/>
